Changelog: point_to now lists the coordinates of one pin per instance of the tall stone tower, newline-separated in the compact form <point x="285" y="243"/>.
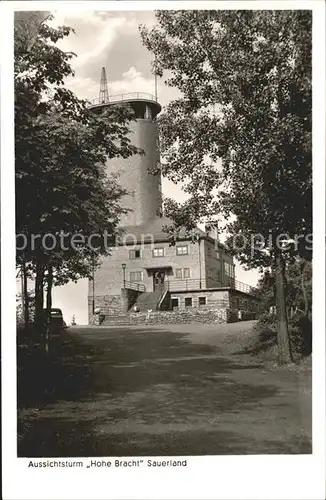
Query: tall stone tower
<point x="144" y="196"/>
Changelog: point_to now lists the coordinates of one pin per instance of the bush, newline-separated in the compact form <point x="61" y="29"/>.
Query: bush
<point x="266" y="320"/>
<point x="300" y="332"/>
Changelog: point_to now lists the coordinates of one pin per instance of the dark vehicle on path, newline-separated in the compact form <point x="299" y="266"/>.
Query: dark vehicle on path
<point x="56" y="318"/>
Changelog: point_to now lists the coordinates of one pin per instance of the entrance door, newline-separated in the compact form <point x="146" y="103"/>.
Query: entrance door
<point x="158" y="280"/>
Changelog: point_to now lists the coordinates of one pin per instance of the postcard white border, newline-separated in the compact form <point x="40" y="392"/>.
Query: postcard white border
<point x="221" y="477"/>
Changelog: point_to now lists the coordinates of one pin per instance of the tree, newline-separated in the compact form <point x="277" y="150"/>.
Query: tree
<point x="61" y="150"/>
<point x="265" y="290"/>
<point x="298" y="277"/>
<point x="299" y="287"/>
<point x="245" y="84"/>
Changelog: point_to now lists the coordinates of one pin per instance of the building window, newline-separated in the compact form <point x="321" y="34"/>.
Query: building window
<point x="158" y="252"/>
<point x="202" y="301"/>
<point x="186" y="273"/>
<point x="188" y="301"/>
<point x="228" y="269"/>
<point x="175" y="302"/>
<point x="182" y="250"/>
<point x="134" y="254"/>
<point x="182" y="273"/>
<point x="178" y="273"/>
<point x="136" y="276"/>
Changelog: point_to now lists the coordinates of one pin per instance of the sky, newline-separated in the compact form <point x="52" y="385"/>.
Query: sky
<point x="112" y="39"/>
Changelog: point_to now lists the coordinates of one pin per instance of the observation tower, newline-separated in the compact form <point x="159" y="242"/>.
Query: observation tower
<point x="144" y="196"/>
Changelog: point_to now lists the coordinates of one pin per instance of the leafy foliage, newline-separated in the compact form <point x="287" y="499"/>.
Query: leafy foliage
<point x="61" y="150"/>
<point x="245" y="84"/>
<point x="300" y="334"/>
<point x="298" y="275"/>
<point x="239" y="135"/>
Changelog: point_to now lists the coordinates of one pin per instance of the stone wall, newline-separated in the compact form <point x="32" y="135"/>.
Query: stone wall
<point x="116" y="307"/>
<point x="113" y="305"/>
<point x="186" y="316"/>
<point x="110" y="305"/>
<point x="174" y="317"/>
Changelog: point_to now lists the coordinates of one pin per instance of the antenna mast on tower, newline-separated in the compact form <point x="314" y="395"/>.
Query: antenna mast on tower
<point x="104" y="94"/>
<point x="155" y="77"/>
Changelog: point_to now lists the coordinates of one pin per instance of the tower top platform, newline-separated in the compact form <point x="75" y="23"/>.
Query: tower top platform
<point x="131" y="97"/>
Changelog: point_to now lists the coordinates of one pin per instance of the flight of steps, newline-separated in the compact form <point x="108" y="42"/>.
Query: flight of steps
<point x="145" y="301"/>
<point x="148" y="300"/>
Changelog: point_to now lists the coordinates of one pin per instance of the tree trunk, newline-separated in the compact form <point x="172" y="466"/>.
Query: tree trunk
<point x="49" y="284"/>
<point x="25" y="298"/>
<point x="283" y="341"/>
<point x="303" y="289"/>
<point x="39" y="315"/>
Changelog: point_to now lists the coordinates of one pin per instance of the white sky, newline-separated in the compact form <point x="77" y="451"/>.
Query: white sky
<point x="112" y="39"/>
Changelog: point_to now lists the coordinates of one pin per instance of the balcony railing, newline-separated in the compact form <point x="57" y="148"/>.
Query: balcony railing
<point x="184" y="284"/>
<point x="196" y="284"/>
<point x="132" y="96"/>
<point x="242" y="287"/>
<point x="131" y="285"/>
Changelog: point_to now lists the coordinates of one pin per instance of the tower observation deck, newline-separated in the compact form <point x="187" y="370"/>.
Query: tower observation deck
<point x="137" y="100"/>
<point x="144" y="197"/>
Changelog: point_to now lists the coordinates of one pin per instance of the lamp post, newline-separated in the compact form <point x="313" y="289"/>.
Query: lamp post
<point x="196" y="238"/>
<point x="199" y="256"/>
<point x="124" y="274"/>
<point x="199" y="259"/>
<point x="93" y="284"/>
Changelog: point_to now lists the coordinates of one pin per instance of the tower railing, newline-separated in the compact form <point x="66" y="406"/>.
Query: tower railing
<point x="131" y="96"/>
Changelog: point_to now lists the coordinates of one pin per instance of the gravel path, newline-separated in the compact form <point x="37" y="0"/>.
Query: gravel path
<point x="176" y="390"/>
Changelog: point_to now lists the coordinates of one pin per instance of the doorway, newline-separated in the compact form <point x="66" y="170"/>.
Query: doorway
<point x="158" y="281"/>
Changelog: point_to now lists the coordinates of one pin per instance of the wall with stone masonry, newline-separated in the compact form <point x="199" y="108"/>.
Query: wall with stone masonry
<point x="110" y="305"/>
<point x="216" y="301"/>
<point x="186" y="316"/>
<point x="174" y="317"/>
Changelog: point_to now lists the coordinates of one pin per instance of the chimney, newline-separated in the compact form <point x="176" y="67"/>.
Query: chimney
<point x="211" y="229"/>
